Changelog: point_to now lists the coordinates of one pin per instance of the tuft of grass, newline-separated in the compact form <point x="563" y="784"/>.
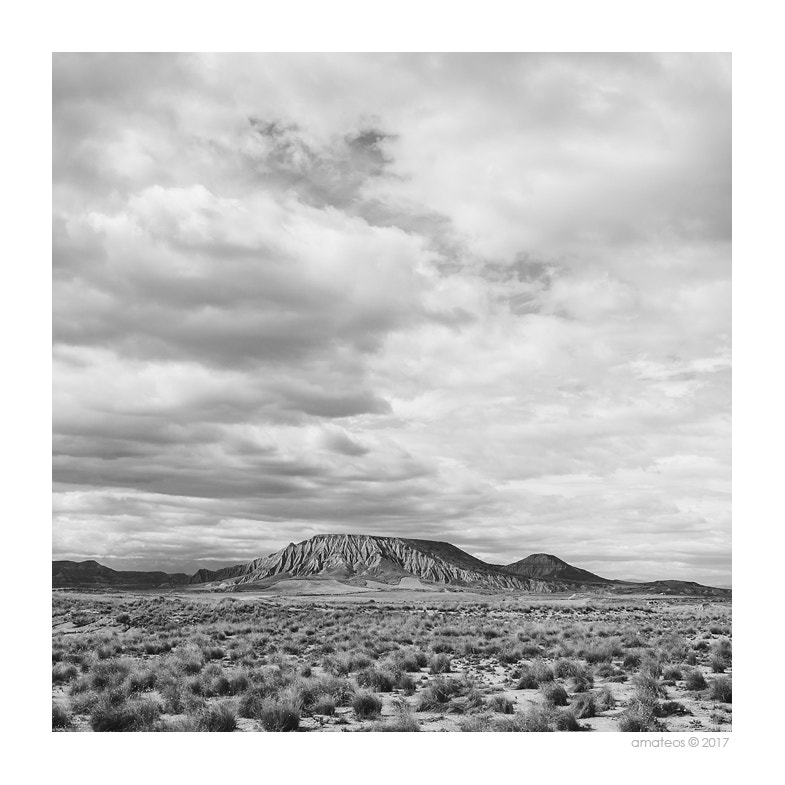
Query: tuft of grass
<point x="501" y="704"/>
<point x="440" y="663"/>
<point x="604" y="699"/>
<point x="218" y="718"/>
<point x="554" y="694"/>
<point x="280" y="717"/>
<point x="566" y="721"/>
<point x="376" y="680"/>
<point x="639" y="717"/>
<point x="647" y="688"/>
<point x="61" y="717"/>
<point x="474" y="699"/>
<point x="670" y="708"/>
<point x="532" y="721"/>
<point x="366" y="706"/>
<point x="584" y="706"/>
<point x="695" y="681"/>
<point x="721" y="690"/>
<point x="325" y="704"/>
<point x="479" y="723"/>
<point x="114" y="714"/>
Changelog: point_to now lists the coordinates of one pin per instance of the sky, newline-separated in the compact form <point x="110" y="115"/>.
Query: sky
<point x="478" y="298"/>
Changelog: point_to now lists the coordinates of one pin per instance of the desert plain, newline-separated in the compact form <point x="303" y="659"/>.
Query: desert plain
<point x="318" y="655"/>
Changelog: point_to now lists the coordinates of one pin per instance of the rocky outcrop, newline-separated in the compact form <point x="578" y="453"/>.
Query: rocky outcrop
<point x="380" y="558"/>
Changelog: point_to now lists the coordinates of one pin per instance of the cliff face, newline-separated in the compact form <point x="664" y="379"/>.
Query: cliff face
<point x="378" y="558"/>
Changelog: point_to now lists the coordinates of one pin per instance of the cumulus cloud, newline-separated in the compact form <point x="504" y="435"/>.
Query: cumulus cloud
<point x="479" y="298"/>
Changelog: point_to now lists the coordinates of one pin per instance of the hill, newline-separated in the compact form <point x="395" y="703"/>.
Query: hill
<point x="383" y="559"/>
<point x="91" y="573"/>
<point x="548" y="567"/>
<point x="356" y="558"/>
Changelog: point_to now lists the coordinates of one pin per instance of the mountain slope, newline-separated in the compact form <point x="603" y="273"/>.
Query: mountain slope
<point x="544" y="566"/>
<point x="91" y="573"/>
<point x="385" y="559"/>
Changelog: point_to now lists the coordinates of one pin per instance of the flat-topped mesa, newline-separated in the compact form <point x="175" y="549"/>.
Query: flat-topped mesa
<point x="386" y="559"/>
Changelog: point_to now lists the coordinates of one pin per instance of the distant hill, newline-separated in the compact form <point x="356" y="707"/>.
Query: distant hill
<point x="384" y="559"/>
<point x="547" y="567"/>
<point x="356" y="558"/>
<point x="91" y="573"/>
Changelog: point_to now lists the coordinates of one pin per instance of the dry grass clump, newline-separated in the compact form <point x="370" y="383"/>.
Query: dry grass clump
<point x="62" y="673"/>
<point x="438" y="692"/>
<point x="280" y="716"/>
<point x="61" y="717"/>
<point x="672" y="674"/>
<point x="639" y="717"/>
<point x="554" y="694"/>
<point x="440" y="663"/>
<point x="584" y="706"/>
<point x="218" y="718"/>
<point x="501" y="704"/>
<point x="566" y="721"/>
<point x="604" y="699"/>
<point x="694" y="681"/>
<point x="114" y="713"/>
<point x="366" y="706"/>
<point x="532" y="721"/>
<point x="376" y="680"/>
<point x="721" y="690"/>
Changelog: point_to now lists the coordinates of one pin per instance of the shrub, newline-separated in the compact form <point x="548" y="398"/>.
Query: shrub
<point x="112" y="715"/>
<point x="566" y="721"/>
<point x="584" y="706"/>
<point x="412" y="661"/>
<point x="582" y="682"/>
<point x="527" y="680"/>
<point x="671" y="674"/>
<point x="542" y="672"/>
<point x="441" y="663"/>
<point x="501" y="704"/>
<point x="532" y="721"/>
<point x="280" y="717"/>
<point x="564" y="668"/>
<point x="404" y="722"/>
<point x="109" y="674"/>
<point x="632" y="659"/>
<point x="554" y="694"/>
<point x="218" y="718"/>
<point x="604" y="699"/>
<point x="366" y="705"/>
<point x="670" y="708"/>
<point x="379" y="681"/>
<point x="474" y="699"/>
<point x="61" y="717"/>
<point x="324" y="705"/>
<point x="721" y="690"/>
<point x="647" y="688"/>
<point x="477" y="724"/>
<point x="638" y="718"/>
<point x="694" y="681"/>
<point x="63" y="673"/>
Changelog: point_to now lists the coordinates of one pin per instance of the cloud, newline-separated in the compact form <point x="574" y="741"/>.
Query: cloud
<point x="479" y="298"/>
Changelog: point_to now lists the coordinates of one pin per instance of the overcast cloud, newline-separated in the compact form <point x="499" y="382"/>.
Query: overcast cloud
<point x="477" y="298"/>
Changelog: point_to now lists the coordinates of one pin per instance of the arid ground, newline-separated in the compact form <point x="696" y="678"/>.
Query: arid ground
<point x="404" y="660"/>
